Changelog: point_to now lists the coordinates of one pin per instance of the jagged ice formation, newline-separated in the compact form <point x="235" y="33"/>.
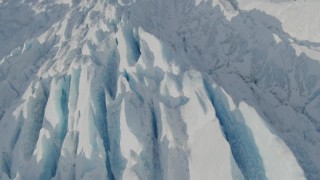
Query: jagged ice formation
<point x="159" y="89"/>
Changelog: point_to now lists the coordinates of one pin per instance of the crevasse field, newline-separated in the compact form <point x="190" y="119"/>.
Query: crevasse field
<point x="159" y="89"/>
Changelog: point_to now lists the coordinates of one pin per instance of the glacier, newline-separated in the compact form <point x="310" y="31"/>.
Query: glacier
<point x="159" y="89"/>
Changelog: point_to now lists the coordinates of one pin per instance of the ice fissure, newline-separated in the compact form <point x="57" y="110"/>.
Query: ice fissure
<point x="238" y="135"/>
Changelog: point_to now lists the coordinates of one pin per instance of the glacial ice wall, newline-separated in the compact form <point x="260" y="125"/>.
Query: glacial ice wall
<point x="180" y="90"/>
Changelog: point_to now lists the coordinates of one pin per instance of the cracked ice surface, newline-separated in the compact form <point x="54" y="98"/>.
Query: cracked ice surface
<point x="158" y="90"/>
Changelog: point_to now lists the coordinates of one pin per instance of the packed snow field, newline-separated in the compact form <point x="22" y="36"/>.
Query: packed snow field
<point x="159" y="89"/>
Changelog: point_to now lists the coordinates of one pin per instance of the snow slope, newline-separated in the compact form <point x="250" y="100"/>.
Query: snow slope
<point x="149" y="89"/>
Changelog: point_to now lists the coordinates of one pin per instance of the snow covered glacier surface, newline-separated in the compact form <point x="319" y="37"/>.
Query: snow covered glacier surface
<point x="159" y="89"/>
